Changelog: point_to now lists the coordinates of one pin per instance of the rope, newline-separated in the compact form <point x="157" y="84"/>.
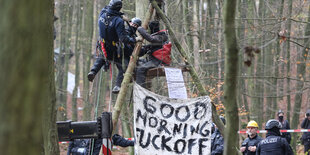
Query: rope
<point x="111" y="85"/>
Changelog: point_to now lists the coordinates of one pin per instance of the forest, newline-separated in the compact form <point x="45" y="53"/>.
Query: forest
<point x="249" y="56"/>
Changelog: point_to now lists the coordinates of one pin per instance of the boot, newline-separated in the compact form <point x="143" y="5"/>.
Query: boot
<point x="91" y="75"/>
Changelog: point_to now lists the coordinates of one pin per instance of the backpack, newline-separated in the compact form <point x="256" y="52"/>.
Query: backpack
<point x="164" y="53"/>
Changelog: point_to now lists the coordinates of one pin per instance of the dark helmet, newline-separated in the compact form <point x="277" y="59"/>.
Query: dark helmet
<point x="136" y="21"/>
<point x="154" y="26"/>
<point x="223" y="119"/>
<point x="116" y="5"/>
<point x="273" y="123"/>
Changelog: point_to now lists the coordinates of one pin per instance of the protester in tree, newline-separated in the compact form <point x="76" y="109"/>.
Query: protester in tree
<point x="78" y="147"/>
<point x="249" y="145"/>
<point x="217" y="140"/>
<point x="306" y="135"/>
<point x="157" y="40"/>
<point x="285" y="126"/>
<point x="112" y="33"/>
<point x="274" y="144"/>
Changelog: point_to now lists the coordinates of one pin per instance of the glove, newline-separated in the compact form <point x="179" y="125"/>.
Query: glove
<point x="132" y="40"/>
<point x="115" y="137"/>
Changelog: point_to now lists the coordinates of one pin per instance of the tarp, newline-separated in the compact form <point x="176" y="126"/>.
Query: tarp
<point x="171" y="126"/>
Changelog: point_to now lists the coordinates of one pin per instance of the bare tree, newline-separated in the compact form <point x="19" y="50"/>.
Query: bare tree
<point x="230" y="78"/>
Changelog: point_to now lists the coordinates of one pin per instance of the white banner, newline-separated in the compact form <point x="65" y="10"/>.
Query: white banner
<point x="165" y="126"/>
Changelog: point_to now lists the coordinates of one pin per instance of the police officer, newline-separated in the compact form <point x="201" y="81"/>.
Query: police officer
<point x="285" y="126"/>
<point x="128" y="49"/>
<point x="305" y="124"/>
<point x="217" y="140"/>
<point x="157" y="40"/>
<point x="249" y="145"/>
<point x="112" y="32"/>
<point x="274" y="144"/>
<point x="78" y="147"/>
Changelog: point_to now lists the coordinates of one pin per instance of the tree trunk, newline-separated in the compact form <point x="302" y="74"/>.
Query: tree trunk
<point x="195" y="35"/>
<point x="26" y="77"/>
<point x="230" y="79"/>
<point x="88" y="34"/>
<point x="242" y="83"/>
<point x="77" y="60"/>
<point x="301" y="75"/>
<point x="187" y="23"/>
<point x="141" y="6"/>
<point x="288" y="65"/>
<point x="60" y="77"/>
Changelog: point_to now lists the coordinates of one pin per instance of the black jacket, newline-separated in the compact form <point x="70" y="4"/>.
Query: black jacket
<point x="251" y="142"/>
<point x="217" y="143"/>
<point x="129" y="47"/>
<point x="274" y="145"/>
<point x="305" y="124"/>
<point x="286" y="135"/>
<point x="112" y="29"/>
<point x="157" y="40"/>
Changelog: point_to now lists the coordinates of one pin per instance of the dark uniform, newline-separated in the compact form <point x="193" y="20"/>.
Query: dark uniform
<point x="157" y="40"/>
<point x="78" y="147"/>
<point x="285" y="126"/>
<point x="306" y="135"/>
<point x="274" y="144"/>
<point x="111" y="31"/>
<point x="251" y="142"/>
<point x="120" y="141"/>
<point x="286" y="135"/>
<point x="217" y="143"/>
<point x="125" y="56"/>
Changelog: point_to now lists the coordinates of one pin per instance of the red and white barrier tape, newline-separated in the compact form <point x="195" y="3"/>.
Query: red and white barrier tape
<point x="107" y="146"/>
<point x="132" y="139"/>
<point x="265" y="131"/>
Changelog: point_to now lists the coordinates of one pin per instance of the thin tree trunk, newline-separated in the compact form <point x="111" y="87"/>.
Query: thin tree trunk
<point x="230" y="79"/>
<point x="126" y="126"/>
<point x="195" y="35"/>
<point x="187" y="23"/>
<point x="88" y="20"/>
<point x="242" y="84"/>
<point x="26" y="77"/>
<point x="77" y="61"/>
<point x="288" y="65"/>
<point x="61" y="104"/>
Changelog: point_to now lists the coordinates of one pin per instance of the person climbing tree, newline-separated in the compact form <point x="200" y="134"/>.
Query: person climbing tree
<point x="112" y="33"/>
<point x="128" y="49"/>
